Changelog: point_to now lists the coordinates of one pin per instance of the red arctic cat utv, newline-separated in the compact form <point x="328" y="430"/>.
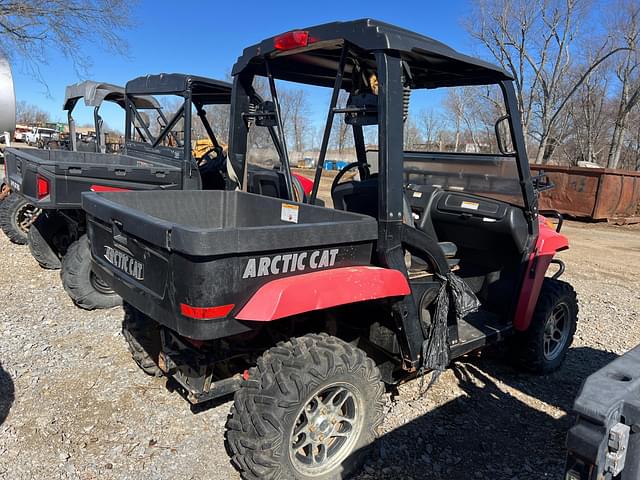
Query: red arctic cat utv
<point x="306" y="312"/>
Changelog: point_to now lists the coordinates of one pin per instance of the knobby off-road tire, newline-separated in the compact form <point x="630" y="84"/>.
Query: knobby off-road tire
<point x="41" y="235"/>
<point x="542" y="348"/>
<point x="81" y="284"/>
<point x="143" y="339"/>
<point x="15" y="214"/>
<point x="314" y="388"/>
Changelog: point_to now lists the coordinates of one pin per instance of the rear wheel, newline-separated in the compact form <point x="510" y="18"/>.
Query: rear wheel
<point x="16" y="217"/>
<point x="48" y="239"/>
<point x="543" y="346"/>
<point x="81" y="284"/>
<point x="143" y="339"/>
<point x="309" y="410"/>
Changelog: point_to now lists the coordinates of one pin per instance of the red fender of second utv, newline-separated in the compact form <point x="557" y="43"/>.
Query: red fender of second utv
<point x="321" y="290"/>
<point x="307" y="185"/>
<point x="548" y="244"/>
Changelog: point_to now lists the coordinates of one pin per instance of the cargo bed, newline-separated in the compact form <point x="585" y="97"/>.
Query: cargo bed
<point x="167" y="251"/>
<point x="67" y="174"/>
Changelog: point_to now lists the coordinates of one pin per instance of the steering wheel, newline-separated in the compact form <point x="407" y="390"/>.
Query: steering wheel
<point x="346" y="168"/>
<point x="211" y="162"/>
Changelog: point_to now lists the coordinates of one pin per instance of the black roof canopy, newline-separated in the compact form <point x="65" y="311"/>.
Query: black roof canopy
<point x="204" y="90"/>
<point x="431" y="63"/>
<point x="94" y="93"/>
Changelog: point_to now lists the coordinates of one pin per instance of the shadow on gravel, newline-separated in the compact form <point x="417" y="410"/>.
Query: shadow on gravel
<point x="7" y="394"/>
<point x="489" y="433"/>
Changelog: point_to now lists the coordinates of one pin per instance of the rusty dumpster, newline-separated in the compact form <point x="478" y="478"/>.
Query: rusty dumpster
<point x="596" y="194"/>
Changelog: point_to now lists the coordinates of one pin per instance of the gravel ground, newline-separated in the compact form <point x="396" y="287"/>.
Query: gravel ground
<point x="73" y="404"/>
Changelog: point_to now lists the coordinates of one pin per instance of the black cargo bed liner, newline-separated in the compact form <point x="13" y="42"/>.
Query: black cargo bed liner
<point x="203" y="223"/>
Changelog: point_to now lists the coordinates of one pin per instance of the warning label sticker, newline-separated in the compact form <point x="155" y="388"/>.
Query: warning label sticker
<point x="289" y="213"/>
<point x="470" y="205"/>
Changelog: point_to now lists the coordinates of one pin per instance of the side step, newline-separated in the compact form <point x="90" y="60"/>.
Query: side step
<point x="477" y="330"/>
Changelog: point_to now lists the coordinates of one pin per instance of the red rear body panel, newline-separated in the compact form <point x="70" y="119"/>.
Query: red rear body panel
<point x="321" y="290"/>
<point x="549" y="243"/>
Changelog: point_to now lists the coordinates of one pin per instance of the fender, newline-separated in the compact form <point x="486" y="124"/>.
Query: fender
<point x="548" y="244"/>
<point x="307" y="185"/>
<point x="321" y="290"/>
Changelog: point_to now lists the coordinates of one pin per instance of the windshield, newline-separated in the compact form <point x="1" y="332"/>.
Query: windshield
<point x="450" y="139"/>
<point x="451" y="143"/>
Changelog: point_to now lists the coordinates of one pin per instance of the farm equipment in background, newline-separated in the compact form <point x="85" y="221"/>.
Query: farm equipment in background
<point x="306" y="312"/>
<point x="605" y="441"/>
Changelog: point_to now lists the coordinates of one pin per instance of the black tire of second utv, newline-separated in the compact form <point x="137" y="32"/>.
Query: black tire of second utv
<point x="526" y="348"/>
<point x="142" y="335"/>
<point x="76" y="278"/>
<point x="265" y="407"/>
<point x="42" y="229"/>
<point x="9" y="209"/>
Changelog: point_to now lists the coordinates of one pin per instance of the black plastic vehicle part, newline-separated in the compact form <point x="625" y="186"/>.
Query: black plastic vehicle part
<point x="605" y="441"/>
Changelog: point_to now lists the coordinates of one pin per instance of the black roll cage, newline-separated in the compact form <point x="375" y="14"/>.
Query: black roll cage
<point x="393" y="69"/>
<point x="94" y="95"/>
<point x="195" y="91"/>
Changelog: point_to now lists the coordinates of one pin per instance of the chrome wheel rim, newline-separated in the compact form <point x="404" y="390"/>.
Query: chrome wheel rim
<point x="326" y="429"/>
<point x="556" y="331"/>
<point x="26" y="215"/>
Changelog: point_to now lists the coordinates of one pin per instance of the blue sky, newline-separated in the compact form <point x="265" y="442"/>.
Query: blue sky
<point x="205" y="38"/>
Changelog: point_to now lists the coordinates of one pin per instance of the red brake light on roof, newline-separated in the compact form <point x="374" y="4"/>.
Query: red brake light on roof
<point x="43" y="187"/>
<point x="291" y="40"/>
<point x="205" y="313"/>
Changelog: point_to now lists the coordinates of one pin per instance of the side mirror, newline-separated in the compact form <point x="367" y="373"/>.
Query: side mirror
<point x="503" y="136"/>
<point x="361" y="110"/>
<point x="542" y="182"/>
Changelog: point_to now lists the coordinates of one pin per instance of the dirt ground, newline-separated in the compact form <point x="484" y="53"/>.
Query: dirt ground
<point x="73" y="404"/>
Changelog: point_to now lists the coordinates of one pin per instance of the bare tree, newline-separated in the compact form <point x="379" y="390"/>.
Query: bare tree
<point x="432" y="125"/>
<point x="626" y="25"/>
<point x="534" y="40"/>
<point x="295" y="117"/>
<point x="29" y="114"/>
<point x="454" y="103"/>
<point x="412" y="134"/>
<point x="31" y="29"/>
<point x="340" y="131"/>
<point x="588" y="121"/>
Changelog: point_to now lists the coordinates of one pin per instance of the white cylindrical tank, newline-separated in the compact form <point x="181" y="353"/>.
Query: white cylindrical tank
<point x="7" y="98"/>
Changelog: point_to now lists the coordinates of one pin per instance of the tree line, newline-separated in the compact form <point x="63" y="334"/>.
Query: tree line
<point x="576" y="65"/>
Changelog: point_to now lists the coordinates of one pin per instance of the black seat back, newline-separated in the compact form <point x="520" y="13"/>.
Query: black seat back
<point x="358" y="197"/>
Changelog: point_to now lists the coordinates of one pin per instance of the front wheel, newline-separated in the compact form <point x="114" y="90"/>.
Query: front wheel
<point x="309" y="410"/>
<point x="83" y="286"/>
<point x="544" y="345"/>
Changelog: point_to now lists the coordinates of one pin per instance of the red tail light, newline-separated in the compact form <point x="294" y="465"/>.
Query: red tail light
<point x="43" y="187"/>
<point x="291" y="40"/>
<point x="205" y="313"/>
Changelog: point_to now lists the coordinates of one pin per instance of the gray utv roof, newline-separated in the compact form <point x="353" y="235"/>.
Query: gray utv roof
<point x="94" y="93"/>
<point x="432" y="63"/>
<point x="206" y="90"/>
